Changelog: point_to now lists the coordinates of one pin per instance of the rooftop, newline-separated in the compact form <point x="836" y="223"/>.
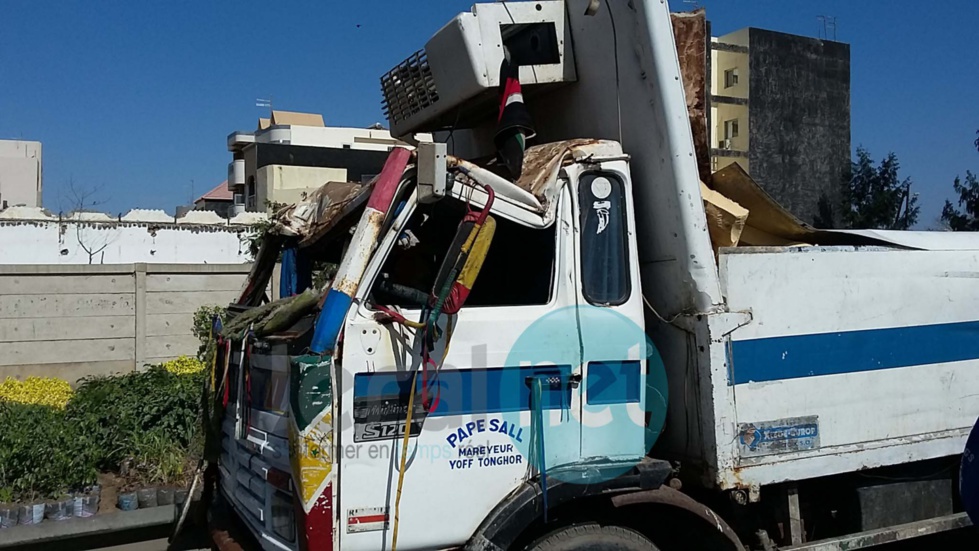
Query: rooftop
<point x="219" y="193"/>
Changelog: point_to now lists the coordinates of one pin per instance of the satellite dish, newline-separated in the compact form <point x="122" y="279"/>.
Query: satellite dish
<point x="969" y="476"/>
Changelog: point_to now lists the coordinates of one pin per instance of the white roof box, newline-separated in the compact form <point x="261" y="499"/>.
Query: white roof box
<point x="461" y="63"/>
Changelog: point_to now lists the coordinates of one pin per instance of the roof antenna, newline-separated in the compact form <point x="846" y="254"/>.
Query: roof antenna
<point x="827" y="30"/>
<point x="260" y="102"/>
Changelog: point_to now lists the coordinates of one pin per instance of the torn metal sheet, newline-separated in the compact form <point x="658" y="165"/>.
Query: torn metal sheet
<point x="770" y="224"/>
<point x="542" y="164"/>
<point x="766" y="214"/>
<point x="319" y="213"/>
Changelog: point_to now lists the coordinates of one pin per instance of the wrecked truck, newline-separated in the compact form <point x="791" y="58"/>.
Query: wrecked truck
<point x="547" y="333"/>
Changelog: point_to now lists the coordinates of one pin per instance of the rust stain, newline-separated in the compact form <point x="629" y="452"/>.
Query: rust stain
<point x="322" y="210"/>
<point x="690" y="33"/>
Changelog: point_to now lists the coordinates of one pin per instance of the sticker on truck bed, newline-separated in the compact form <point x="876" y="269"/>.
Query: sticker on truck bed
<point x="779" y="436"/>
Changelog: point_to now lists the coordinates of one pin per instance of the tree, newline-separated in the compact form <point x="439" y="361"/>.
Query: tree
<point x="968" y="193"/>
<point x="876" y="197"/>
<point x="82" y="200"/>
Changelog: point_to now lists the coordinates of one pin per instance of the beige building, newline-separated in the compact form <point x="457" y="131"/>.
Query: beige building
<point x="729" y="100"/>
<point x="20" y="173"/>
<point x="292" y="154"/>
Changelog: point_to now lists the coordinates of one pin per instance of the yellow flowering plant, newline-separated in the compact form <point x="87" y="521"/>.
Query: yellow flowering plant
<point x="42" y="391"/>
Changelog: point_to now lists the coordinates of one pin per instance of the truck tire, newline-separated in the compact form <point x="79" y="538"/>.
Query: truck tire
<point x="593" y="536"/>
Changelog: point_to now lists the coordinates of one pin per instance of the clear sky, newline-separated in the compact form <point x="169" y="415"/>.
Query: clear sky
<point x="138" y="98"/>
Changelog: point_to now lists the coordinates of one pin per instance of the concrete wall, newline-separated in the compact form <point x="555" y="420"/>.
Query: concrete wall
<point x="75" y="321"/>
<point x="200" y="237"/>
<point x="799" y="126"/>
<point x="20" y="173"/>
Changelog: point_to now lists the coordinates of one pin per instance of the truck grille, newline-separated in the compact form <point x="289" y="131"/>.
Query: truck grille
<point x="409" y="88"/>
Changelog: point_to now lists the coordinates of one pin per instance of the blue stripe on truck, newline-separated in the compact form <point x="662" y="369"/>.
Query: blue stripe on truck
<point x="472" y="391"/>
<point x="793" y="357"/>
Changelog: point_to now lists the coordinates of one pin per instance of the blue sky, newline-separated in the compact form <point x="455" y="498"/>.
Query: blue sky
<point x="137" y="98"/>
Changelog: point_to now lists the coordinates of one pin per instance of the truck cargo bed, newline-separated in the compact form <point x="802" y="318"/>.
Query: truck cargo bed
<point x="854" y="358"/>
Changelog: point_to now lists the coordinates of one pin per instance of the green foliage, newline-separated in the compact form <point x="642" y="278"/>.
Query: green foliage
<point x="261" y="229"/>
<point x="203" y="319"/>
<point x="148" y="419"/>
<point x="968" y="192"/>
<point x="259" y="232"/>
<point x="876" y="197"/>
<point x="157" y="458"/>
<point x="40" y="454"/>
<point x="114" y="410"/>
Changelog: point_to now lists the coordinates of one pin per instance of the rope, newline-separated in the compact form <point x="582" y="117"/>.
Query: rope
<point x="398" y="318"/>
<point x="401" y="469"/>
<point x="537" y="434"/>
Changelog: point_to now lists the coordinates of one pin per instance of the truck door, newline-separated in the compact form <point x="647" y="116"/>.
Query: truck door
<point x="615" y="347"/>
<point x="472" y="441"/>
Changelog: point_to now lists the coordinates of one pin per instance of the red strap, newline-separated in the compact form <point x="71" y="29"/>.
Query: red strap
<point x="391" y="314"/>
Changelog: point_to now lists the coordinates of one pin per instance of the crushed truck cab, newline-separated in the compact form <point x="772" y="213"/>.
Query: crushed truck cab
<point x="539" y="372"/>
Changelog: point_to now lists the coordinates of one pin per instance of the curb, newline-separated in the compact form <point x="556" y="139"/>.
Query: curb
<point x="99" y="524"/>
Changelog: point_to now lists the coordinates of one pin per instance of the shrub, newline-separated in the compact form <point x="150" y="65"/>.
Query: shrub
<point x="184" y="365"/>
<point x="44" y="391"/>
<point x="113" y="410"/>
<point x="50" y="444"/>
<point x="40" y="454"/>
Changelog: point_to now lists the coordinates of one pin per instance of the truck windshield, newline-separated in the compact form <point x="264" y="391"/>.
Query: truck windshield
<point x="518" y="269"/>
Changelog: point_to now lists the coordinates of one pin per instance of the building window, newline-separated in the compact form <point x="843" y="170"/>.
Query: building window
<point x="604" y="248"/>
<point x="731" y="77"/>
<point x="730" y="129"/>
<point x="250" y="199"/>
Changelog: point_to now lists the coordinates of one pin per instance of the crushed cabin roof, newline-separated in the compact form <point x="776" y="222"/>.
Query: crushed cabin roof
<point x="542" y="163"/>
<point x="319" y="213"/>
<point x="541" y="167"/>
<point x="324" y="208"/>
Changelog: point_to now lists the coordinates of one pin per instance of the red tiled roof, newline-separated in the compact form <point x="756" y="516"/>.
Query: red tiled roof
<point x="219" y="193"/>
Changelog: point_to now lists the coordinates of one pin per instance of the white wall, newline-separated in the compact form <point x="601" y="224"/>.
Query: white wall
<point x="20" y="173"/>
<point x="54" y="241"/>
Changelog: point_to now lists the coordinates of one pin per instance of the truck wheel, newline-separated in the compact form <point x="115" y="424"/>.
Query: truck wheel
<point x="593" y="536"/>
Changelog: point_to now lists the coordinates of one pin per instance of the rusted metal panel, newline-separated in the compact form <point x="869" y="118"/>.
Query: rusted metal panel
<point x="314" y="217"/>
<point x="542" y="162"/>
<point x="690" y="33"/>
